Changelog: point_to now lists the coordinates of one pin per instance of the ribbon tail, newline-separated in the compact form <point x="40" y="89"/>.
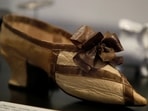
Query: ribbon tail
<point x="86" y="60"/>
<point x="117" y="60"/>
<point x="81" y="63"/>
<point x="106" y="57"/>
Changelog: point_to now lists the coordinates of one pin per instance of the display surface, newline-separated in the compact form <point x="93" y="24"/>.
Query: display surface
<point x="8" y="106"/>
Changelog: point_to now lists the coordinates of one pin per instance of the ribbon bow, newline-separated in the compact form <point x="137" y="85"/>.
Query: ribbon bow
<point x="95" y="49"/>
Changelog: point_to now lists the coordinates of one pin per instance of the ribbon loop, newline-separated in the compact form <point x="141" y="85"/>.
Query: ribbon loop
<point x="95" y="48"/>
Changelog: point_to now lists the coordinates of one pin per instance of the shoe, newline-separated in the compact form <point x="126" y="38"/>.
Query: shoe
<point x="83" y="64"/>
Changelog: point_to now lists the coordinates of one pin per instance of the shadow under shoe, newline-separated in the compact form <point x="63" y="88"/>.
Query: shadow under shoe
<point x="38" y="82"/>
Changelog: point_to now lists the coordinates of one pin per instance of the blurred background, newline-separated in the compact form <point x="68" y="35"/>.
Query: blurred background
<point x="70" y="14"/>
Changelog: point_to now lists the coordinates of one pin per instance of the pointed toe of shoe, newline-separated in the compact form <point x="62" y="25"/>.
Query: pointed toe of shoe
<point x="139" y="100"/>
<point x="98" y="90"/>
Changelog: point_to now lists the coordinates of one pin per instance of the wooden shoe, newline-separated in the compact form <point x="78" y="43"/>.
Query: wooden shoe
<point x="82" y="64"/>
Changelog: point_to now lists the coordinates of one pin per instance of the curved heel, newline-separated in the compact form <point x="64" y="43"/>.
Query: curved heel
<point x="17" y="65"/>
<point x="25" y="75"/>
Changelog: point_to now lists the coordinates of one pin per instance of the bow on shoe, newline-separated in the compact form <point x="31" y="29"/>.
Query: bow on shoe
<point x="95" y="49"/>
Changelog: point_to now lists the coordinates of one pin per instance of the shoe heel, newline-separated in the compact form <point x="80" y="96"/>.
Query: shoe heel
<point x="17" y="64"/>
